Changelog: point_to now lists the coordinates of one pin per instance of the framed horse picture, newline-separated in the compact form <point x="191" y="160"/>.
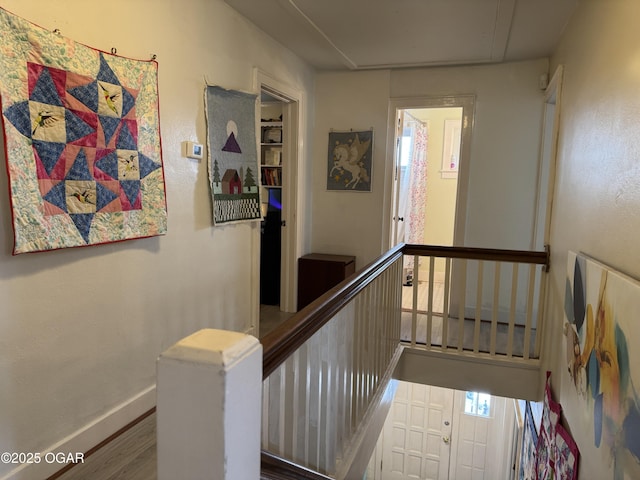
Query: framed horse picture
<point x="349" y="161"/>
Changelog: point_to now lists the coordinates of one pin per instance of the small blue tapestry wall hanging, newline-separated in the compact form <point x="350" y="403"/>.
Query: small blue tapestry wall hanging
<point x="233" y="155"/>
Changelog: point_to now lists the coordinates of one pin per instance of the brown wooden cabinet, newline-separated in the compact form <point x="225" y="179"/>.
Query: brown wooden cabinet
<point x="319" y="272"/>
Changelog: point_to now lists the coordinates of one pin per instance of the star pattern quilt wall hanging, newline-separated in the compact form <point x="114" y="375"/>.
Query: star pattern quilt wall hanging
<point x="82" y="141"/>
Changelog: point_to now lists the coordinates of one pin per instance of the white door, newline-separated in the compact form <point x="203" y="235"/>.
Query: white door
<point x="417" y="432"/>
<point x="429" y="435"/>
<point x="480" y="438"/>
<point x="400" y="185"/>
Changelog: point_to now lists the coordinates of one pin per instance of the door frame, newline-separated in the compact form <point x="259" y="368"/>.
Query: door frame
<point x="548" y="160"/>
<point x="467" y="102"/>
<point x="294" y="106"/>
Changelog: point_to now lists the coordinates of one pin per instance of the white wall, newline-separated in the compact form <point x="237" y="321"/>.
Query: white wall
<point x="81" y="329"/>
<point x="597" y="195"/>
<point x="504" y="144"/>
<point x="504" y="152"/>
<point x="349" y="222"/>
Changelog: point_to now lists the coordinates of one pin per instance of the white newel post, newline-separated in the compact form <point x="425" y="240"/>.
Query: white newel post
<point x="209" y="403"/>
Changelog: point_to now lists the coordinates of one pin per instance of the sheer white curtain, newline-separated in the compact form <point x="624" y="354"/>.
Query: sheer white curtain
<point x="413" y="184"/>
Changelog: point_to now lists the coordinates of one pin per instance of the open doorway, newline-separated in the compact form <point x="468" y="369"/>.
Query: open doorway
<point x="457" y="145"/>
<point x="427" y="164"/>
<point x="280" y="114"/>
<point x="272" y="110"/>
<point x="458" y="172"/>
<point x="428" y="203"/>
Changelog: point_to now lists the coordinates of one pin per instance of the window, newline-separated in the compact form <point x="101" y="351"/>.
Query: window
<point x="476" y="403"/>
<point x="405" y="148"/>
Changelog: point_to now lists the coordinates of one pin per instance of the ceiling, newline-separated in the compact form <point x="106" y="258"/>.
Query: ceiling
<point x="370" y="34"/>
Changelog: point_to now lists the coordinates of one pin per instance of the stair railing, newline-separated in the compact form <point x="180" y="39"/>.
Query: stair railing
<point x="329" y="367"/>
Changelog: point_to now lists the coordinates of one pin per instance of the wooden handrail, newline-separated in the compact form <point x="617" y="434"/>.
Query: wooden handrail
<point x="284" y="340"/>
<point x="280" y="343"/>
<point x="291" y="334"/>
<point x="473" y="253"/>
<point x="273" y="467"/>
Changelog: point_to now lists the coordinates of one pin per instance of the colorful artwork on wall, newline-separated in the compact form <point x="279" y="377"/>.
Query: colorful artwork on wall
<point x="349" y="161"/>
<point x="233" y="155"/>
<point x="82" y="141"/>
<point x="556" y="453"/>
<point x="601" y="309"/>
<point x="529" y="442"/>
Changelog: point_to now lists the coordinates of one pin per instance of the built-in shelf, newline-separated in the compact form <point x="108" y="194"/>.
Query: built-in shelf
<point x="271" y="153"/>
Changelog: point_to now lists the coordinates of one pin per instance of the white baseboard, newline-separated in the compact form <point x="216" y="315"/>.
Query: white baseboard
<point x="87" y="437"/>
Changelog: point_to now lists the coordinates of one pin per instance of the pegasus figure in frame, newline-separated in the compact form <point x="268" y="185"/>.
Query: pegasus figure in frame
<point x="348" y="156"/>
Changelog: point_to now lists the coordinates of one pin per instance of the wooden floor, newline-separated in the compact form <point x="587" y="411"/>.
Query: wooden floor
<point x="132" y="455"/>
<point x="468" y="329"/>
<point x="271" y="317"/>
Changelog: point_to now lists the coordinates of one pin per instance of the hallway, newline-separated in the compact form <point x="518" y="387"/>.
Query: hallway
<point x="132" y="456"/>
